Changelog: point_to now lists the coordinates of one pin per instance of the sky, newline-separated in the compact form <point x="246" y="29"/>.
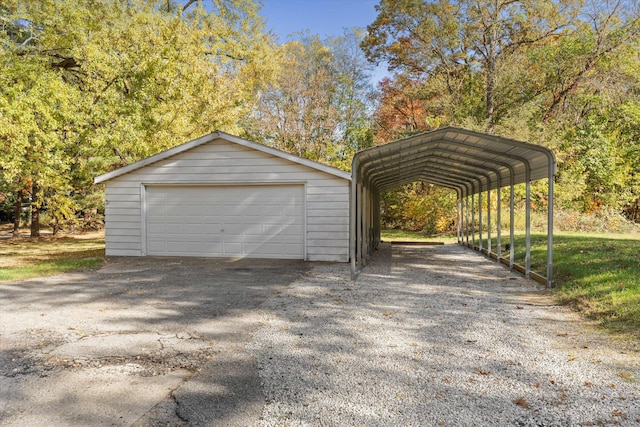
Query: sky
<point x="328" y="18"/>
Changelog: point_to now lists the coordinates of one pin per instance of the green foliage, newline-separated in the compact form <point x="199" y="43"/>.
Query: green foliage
<point x="88" y="86"/>
<point x="419" y="207"/>
<point x="562" y="74"/>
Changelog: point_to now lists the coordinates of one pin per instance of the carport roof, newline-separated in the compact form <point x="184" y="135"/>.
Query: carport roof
<point x="454" y="158"/>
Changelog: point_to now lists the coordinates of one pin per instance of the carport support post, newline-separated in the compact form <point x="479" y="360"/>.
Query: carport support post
<point x="365" y="226"/>
<point x="480" y="219"/>
<point x="459" y="217"/>
<point x="353" y="223"/>
<point x="550" y="226"/>
<point x="361" y="227"/>
<point x="489" y="222"/>
<point x="473" y="220"/>
<point x="461" y="241"/>
<point x="512" y="253"/>
<point x="499" y="218"/>
<point x="466" y="223"/>
<point x="376" y="218"/>
<point x="356" y="226"/>
<point x="528" y="226"/>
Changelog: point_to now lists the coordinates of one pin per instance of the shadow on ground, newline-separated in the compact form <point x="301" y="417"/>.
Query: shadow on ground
<point x="157" y="341"/>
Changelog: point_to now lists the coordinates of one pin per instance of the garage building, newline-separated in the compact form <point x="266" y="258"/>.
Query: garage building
<point x="224" y="196"/>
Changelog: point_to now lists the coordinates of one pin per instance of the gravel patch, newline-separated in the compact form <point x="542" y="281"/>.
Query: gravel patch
<point x="432" y="336"/>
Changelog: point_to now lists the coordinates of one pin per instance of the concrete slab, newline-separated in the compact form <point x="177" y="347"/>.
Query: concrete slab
<point x="141" y="341"/>
<point x="106" y="396"/>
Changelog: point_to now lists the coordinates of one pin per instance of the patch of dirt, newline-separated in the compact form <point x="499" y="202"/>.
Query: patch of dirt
<point x="6" y="231"/>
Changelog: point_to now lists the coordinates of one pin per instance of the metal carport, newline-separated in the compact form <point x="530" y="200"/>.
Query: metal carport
<point x="471" y="164"/>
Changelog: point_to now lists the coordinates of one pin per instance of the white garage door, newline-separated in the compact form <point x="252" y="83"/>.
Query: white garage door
<point x="256" y="221"/>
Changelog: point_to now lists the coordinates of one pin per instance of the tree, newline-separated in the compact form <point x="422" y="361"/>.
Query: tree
<point x="450" y="40"/>
<point x="318" y="106"/>
<point x="353" y="97"/>
<point x="558" y="73"/>
<point x="91" y="85"/>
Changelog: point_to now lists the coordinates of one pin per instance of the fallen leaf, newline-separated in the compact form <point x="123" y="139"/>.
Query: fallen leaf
<point x="625" y="375"/>
<point x="522" y="403"/>
<point x="620" y="414"/>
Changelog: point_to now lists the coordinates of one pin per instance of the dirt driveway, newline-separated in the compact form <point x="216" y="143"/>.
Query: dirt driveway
<point x="142" y="341"/>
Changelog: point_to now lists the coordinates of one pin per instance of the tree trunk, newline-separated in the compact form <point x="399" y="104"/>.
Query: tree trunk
<point x="35" y="212"/>
<point x="17" y="212"/>
<point x="490" y="93"/>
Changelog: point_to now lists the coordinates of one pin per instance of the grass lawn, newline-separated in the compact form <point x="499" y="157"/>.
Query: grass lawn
<point x="413" y="236"/>
<point x="26" y="258"/>
<point x="596" y="274"/>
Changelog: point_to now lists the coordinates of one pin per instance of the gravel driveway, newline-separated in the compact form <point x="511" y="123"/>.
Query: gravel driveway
<point x="426" y="336"/>
<point x="432" y="336"/>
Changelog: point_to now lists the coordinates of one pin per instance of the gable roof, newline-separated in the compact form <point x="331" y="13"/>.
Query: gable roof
<point x="229" y="138"/>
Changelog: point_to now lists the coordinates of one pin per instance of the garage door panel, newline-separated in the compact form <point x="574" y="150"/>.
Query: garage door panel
<point x="213" y="248"/>
<point x="193" y="228"/>
<point x="232" y="248"/>
<point x="293" y="210"/>
<point x="229" y="221"/>
<point x="232" y="230"/>
<point x="156" y="228"/>
<point x="294" y="229"/>
<point x="254" y="230"/>
<point x="230" y="211"/>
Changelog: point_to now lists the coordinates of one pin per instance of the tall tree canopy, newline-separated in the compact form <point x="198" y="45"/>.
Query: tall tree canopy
<point x="90" y="85"/>
<point x="560" y="73"/>
<point x="87" y="86"/>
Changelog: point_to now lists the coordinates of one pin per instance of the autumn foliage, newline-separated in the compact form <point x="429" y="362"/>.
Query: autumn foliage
<point x="87" y="86"/>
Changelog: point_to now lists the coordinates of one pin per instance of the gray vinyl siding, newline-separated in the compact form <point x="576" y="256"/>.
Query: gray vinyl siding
<point x="221" y="162"/>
